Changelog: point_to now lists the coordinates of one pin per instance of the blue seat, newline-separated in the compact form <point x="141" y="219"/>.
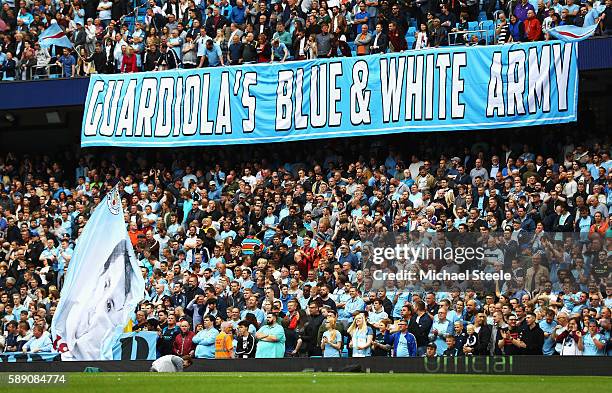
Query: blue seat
<point x="352" y="46"/>
<point x="413" y="22"/>
<point x="411" y="31"/>
<point x="491" y="37"/>
<point x="472" y="26"/>
<point x="482" y="16"/>
<point x="410" y="40"/>
<point x="487" y="25"/>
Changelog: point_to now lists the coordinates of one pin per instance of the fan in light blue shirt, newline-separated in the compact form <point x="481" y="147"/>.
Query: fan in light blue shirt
<point x="40" y="342"/>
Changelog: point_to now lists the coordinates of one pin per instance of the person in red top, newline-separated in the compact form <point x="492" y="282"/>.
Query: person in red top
<point x="133" y="233"/>
<point x="533" y="27"/>
<point x="264" y="50"/>
<point x="397" y="41"/>
<point x="183" y="343"/>
<point x="128" y="64"/>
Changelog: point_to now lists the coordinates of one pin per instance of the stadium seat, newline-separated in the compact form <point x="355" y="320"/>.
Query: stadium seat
<point x="491" y="37"/>
<point x="413" y="22"/>
<point x="487" y="25"/>
<point x="472" y="26"/>
<point x="482" y="16"/>
<point x="410" y="40"/>
<point x="411" y="31"/>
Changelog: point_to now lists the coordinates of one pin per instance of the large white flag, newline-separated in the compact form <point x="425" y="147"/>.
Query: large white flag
<point x="102" y="287"/>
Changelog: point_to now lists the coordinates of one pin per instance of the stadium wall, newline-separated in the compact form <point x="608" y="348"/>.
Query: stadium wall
<point x="508" y="365"/>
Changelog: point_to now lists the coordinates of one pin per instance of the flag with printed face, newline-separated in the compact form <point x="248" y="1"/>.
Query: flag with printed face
<point x="103" y="285"/>
<point x="570" y="33"/>
<point x="54" y="35"/>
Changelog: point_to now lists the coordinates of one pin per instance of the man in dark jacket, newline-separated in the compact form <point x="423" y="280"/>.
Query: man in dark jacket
<point x="215" y="22"/>
<point x="484" y="335"/>
<point x="419" y="326"/>
<point x="249" y="50"/>
<point x="99" y="59"/>
<point x="380" y="42"/>
<point x="151" y="58"/>
<point x="80" y="37"/>
<point x="312" y="329"/>
<point x="531" y="338"/>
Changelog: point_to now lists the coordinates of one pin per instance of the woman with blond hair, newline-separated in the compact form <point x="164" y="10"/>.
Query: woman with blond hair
<point x="331" y="342"/>
<point x="361" y="337"/>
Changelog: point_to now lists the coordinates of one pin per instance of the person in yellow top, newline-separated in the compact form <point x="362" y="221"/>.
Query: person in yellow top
<point x="224" y="343"/>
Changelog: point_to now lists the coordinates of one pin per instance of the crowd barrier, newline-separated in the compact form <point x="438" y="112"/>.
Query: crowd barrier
<point x="507" y="365"/>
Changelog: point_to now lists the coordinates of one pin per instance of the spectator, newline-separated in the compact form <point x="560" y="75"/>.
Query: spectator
<point x="168" y="60"/>
<point x="363" y="41"/>
<point x="517" y="30"/>
<point x="128" y="63"/>
<point x="183" y="343"/>
<point x="245" y="345"/>
<point x="280" y="52"/>
<point x="422" y="37"/>
<point x="224" y="347"/>
<point x="40" y="341"/>
<point x="404" y="343"/>
<point x="361" y="337"/>
<point x="68" y="64"/>
<point x="522" y="9"/>
<point x="270" y="339"/>
<point x="264" y="50"/>
<point x="397" y="41"/>
<point x="533" y="27"/>
<point x="331" y="343"/>
<point x="380" y="42"/>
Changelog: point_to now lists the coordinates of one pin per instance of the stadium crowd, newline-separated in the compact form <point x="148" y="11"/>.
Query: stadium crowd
<point x="255" y="251"/>
<point x="121" y="36"/>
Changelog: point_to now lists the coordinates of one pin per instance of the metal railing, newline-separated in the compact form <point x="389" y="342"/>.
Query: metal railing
<point x="469" y="34"/>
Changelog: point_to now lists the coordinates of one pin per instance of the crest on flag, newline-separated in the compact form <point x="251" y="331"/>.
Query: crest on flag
<point x="114" y="202"/>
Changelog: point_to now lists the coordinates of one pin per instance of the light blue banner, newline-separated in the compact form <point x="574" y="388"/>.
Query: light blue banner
<point x="135" y="346"/>
<point x="13" y="357"/>
<point x="449" y="89"/>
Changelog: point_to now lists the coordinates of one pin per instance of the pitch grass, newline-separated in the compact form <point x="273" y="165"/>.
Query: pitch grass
<point x="322" y="382"/>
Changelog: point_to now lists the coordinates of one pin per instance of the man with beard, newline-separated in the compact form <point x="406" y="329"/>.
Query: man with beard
<point x="311" y="330"/>
<point x="509" y="342"/>
<point x="167" y="336"/>
<point x="192" y="289"/>
<point x="270" y="339"/>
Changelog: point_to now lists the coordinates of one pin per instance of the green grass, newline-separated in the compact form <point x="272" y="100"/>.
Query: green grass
<point x="323" y="382"/>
